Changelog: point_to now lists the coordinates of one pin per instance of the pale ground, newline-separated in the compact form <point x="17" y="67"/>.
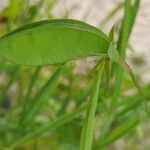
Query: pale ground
<point x="97" y="10"/>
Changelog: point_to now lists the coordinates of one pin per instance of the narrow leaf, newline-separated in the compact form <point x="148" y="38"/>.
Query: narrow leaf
<point x="29" y="91"/>
<point x="128" y="22"/>
<point x="42" y="96"/>
<point x="116" y="133"/>
<point x="87" y="131"/>
<point x="51" y="125"/>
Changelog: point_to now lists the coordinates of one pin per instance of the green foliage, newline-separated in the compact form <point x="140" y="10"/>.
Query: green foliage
<point x="51" y="125"/>
<point x="47" y="101"/>
<point x="45" y="92"/>
<point x="53" y="42"/>
<point x="128" y="22"/>
<point x="87" y="131"/>
<point x="117" y="133"/>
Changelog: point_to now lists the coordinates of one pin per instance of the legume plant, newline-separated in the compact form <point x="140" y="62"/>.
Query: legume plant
<point x="46" y="105"/>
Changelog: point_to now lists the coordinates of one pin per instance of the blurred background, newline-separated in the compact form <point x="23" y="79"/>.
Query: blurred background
<point x="18" y="84"/>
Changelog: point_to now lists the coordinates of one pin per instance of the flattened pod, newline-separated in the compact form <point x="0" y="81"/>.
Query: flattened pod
<point x="52" y="42"/>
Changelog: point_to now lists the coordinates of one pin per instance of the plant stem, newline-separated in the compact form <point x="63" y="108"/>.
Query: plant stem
<point x="128" y="21"/>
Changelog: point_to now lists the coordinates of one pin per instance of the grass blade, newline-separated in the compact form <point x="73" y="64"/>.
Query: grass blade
<point x="33" y="79"/>
<point x="48" y="126"/>
<point x="42" y="96"/>
<point x="29" y="91"/>
<point x="5" y="89"/>
<point x="87" y="131"/>
<point x="128" y="21"/>
<point x="117" y="133"/>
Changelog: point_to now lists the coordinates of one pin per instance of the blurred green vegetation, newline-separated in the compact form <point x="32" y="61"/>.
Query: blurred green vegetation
<point x="44" y="108"/>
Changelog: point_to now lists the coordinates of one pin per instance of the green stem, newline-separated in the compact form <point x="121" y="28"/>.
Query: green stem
<point x="129" y="19"/>
<point x="139" y="88"/>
